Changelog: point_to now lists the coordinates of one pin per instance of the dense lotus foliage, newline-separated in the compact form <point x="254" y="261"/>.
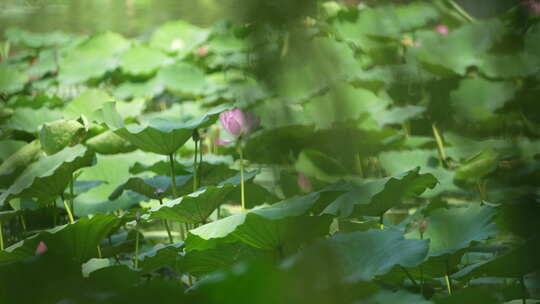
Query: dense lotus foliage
<point x="371" y="154"/>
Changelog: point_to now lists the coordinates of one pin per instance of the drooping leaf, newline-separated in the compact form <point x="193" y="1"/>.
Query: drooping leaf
<point x="376" y="197"/>
<point x="18" y="161"/>
<point x="49" y="176"/>
<point x="158" y="135"/>
<point x="76" y="241"/>
<point x="109" y="143"/>
<point x="57" y="135"/>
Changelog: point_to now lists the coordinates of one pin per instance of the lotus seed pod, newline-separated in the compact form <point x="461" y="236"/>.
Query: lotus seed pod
<point x="57" y="135"/>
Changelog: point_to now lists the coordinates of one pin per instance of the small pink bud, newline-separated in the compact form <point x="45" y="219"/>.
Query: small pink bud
<point x="442" y="29"/>
<point x="202" y="51"/>
<point x="41" y="248"/>
<point x="533" y="6"/>
<point x="303" y="183"/>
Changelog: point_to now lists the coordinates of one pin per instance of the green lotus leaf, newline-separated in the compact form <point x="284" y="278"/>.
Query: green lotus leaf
<point x="361" y="256"/>
<point x="158" y="135"/>
<point x="112" y="170"/>
<point x="18" y="161"/>
<point x="163" y="256"/>
<point x="471" y="294"/>
<point x="478" y="166"/>
<point x="31" y="120"/>
<point x="279" y="227"/>
<point x="400" y="296"/>
<point x="515" y="263"/>
<point x="11" y="80"/>
<point x="55" y="136"/>
<point x="142" y="60"/>
<point x="145" y="89"/>
<point x="386" y="21"/>
<point x="183" y="78"/>
<point x="101" y="54"/>
<point x="178" y="37"/>
<point x="374" y="198"/>
<point x="77" y="241"/>
<point x="36" y="40"/>
<point x="149" y="187"/>
<point x="451" y="232"/>
<point x="489" y="96"/>
<point x="91" y="101"/>
<point x="319" y="165"/>
<point x="109" y="143"/>
<point x="49" y="176"/>
<point x="5" y="216"/>
<point x="193" y="208"/>
<point x="460" y="49"/>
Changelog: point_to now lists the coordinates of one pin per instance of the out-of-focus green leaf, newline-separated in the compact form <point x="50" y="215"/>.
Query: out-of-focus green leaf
<point x="11" y="80"/>
<point x="142" y="60"/>
<point x="178" y="37"/>
<point x="18" y="161"/>
<point x="182" y="78"/>
<point x="55" y="136"/>
<point x="30" y="120"/>
<point x="478" y="166"/>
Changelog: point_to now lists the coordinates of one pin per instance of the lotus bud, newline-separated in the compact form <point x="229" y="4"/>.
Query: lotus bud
<point x="41" y="248"/>
<point x="303" y="183"/>
<point x="238" y="123"/>
<point x="442" y="29"/>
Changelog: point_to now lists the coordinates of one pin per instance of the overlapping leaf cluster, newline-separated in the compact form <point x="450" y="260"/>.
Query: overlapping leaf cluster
<point x="394" y="163"/>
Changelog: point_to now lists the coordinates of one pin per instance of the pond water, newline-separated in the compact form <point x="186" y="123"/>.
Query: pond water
<point x="129" y="17"/>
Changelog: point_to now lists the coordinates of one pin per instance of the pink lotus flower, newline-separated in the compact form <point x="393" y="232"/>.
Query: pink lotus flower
<point x="238" y="123"/>
<point x="442" y="29"/>
<point x="202" y="51"/>
<point x="303" y="183"/>
<point x="533" y="6"/>
<point x="41" y="248"/>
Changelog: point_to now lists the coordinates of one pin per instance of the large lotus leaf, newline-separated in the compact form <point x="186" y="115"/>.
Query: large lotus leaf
<point x="76" y="241"/>
<point x="55" y="136"/>
<point x="145" y="89"/>
<point x="101" y="54"/>
<point x="11" y="80"/>
<point x="462" y="148"/>
<point x="30" y="120"/>
<point x="394" y="162"/>
<point x="488" y="96"/>
<point x="478" y="166"/>
<point x="390" y="75"/>
<point x="376" y="197"/>
<point x="178" y="37"/>
<point x="277" y="145"/>
<point x="342" y="103"/>
<point x="90" y="101"/>
<point x="18" y="161"/>
<point x="36" y="40"/>
<point x="193" y="208"/>
<point x="183" y="78"/>
<point x="45" y="63"/>
<point x="49" y="176"/>
<point x="361" y="256"/>
<point x="451" y="231"/>
<point x="109" y="143"/>
<point x="521" y="64"/>
<point x="513" y="264"/>
<point x="265" y="228"/>
<point x="399" y="115"/>
<point x="112" y="170"/>
<point x="142" y="60"/>
<point x="153" y="187"/>
<point x="387" y="21"/>
<point x="460" y="49"/>
<point x="161" y="167"/>
<point x="157" y="135"/>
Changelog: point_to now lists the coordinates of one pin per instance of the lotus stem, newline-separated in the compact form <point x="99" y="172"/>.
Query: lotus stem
<point x="522" y="282"/>
<point x="70" y="214"/>
<point x="440" y="144"/>
<point x="72" y="192"/>
<point x="136" y="257"/>
<point x="381" y="221"/>
<point x="242" y="198"/>
<point x="409" y="276"/>
<point x="99" y="251"/>
<point x="1" y="236"/>
<point x="166" y="223"/>
<point x="448" y="284"/>
<point x="195" y="168"/>
<point x="461" y="11"/>
<point x="173" y="175"/>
